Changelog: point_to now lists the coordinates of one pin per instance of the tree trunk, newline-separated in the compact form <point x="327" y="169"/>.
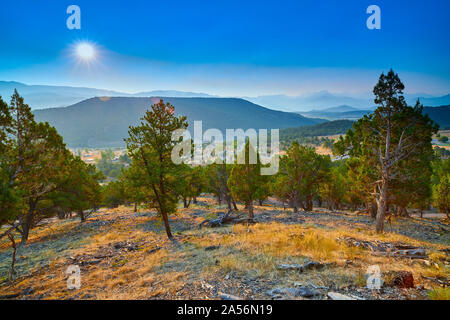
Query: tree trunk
<point x="12" y="271"/>
<point x="194" y="200"/>
<point x="402" y="212"/>
<point x="381" y="202"/>
<point x="229" y="203"/>
<point x="27" y="223"/>
<point x="234" y="203"/>
<point x="373" y="209"/>
<point x="250" y="210"/>
<point x="295" y="209"/>
<point x="307" y="204"/>
<point x="166" y="225"/>
<point x="260" y="202"/>
<point x="219" y="199"/>
<point x="135" y="207"/>
<point x="421" y="213"/>
<point x="82" y="216"/>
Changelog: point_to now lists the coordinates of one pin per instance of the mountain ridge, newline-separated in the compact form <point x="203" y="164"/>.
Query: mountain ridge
<point x="48" y="96"/>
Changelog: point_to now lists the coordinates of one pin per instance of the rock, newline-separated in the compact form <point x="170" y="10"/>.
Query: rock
<point x="293" y="292"/>
<point x="27" y="291"/>
<point x="225" y="296"/>
<point x="339" y="296"/>
<point x="282" y="291"/>
<point x="400" y="279"/>
<point x="307" y="293"/>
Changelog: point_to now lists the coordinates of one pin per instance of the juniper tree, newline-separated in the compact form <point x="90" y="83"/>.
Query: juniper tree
<point x="150" y="146"/>
<point x="392" y="134"/>
<point x="33" y="159"/>
<point x="441" y="185"/>
<point x="80" y="189"/>
<point x="191" y="184"/>
<point x="246" y="182"/>
<point x="301" y="173"/>
<point x="217" y="176"/>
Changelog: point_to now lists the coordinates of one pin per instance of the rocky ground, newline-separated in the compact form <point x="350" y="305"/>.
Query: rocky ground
<point x="284" y="255"/>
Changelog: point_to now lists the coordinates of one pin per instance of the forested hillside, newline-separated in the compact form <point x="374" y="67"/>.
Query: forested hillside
<point x="103" y="122"/>
<point x="304" y="134"/>
<point x="440" y="115"/>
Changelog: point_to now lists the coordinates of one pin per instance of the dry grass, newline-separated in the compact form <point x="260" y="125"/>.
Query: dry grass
<point x="178" y="269"/>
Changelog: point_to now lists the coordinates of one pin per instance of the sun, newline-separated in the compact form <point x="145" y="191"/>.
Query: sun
<point x="85" y="51"/>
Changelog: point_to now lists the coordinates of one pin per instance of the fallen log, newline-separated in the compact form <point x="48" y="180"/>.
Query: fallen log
<point x="443" y="282"/>
<point x="379" y="248"/>
<point x="225" y="218"/>
<point x="302" y="267"/>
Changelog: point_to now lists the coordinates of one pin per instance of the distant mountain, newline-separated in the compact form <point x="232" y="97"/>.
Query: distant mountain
<point x="343" y="108"/>
<point x="172" y="93"/>
<point x="104" y="122"/>
<point x="316" y="101"/>
<point x="440" y="115"/>
<point x="324" y="99"/>
<point x="43" y="96"/>
<point x="337" y="113"/>
<point x="434" y="102"/>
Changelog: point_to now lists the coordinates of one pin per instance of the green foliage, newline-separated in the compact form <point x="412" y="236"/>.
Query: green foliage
<point x="301" y="173"/>
<point x="114" y="194"/>
<point x="334" y="190"/>
<point x="443" y="139"/>
<point x="110" y="166"/>
<point x="191" y="184"/>
<point x="246" y="182"/>
<point x="441" y="185"/>
<point x="80" y="189"/>
<point x="442" y="152"/>
<point x="216" y="176"/>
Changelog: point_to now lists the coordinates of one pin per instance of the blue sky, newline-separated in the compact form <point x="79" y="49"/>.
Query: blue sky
<point x="228" y="47"/>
